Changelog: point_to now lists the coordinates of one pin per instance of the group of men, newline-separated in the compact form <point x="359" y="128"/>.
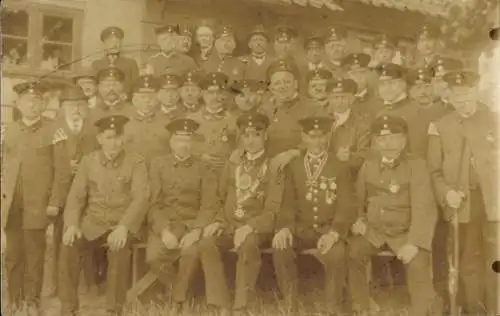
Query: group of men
<point x="252" y="153"/>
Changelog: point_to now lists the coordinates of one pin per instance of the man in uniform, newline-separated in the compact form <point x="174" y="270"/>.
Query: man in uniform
<point x="110" y="84"/>
<point x="34" y="183"/>
<point x="284" y="42"/>
<point x="169" y="58"/>
<point x="349" y="140"/>
<point x="259" y="59"/>
<point x="184" y="201"/>
<point x="356" y="66"/>
<point x="439" y="67"/>
<point x="385" y="51"/>
<point x="335" y="50"/>
<point x="397" y="212"/>
<point x="217" y="126"/>
<point x="314" y="47"/>
<point x="112" y="38"/>
<point x="106" y="206"/>
<point x="317" y="209"/>
<point x="248" y="96"/>
<point x="427" y="46"/>
<point x="190" y="93"/>
<point x="185" y="40"/>
<point x="205" y="41"/>
<point x="250" y="195"/>
<point x="145" y="133"/>
<point x="168" y="95"/>
<point x="318" y="82"/>
<point x="88" y="82"/>
<point x="463" y="160"/>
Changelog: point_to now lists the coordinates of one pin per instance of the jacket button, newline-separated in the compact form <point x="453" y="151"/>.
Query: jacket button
<point x="315" y="208"/>
<point x="315" y="217"/>
<point x="315" y="225"/>
<point x="382" y="211"/>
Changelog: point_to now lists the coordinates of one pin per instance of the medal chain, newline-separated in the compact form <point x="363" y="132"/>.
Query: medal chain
<point x="244" y="194"/>
<point x="312" y="178"/>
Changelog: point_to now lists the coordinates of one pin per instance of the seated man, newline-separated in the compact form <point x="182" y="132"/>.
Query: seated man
<point x="317" y="209"/>
<point x="400" y="215"/>
<point x="107" y="203"/>
<point x="250" y="195"/>
<point x="184" y="201"/>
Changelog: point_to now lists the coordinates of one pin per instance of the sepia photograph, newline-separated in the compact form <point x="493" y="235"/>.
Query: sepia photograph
<point x="250" y="157"/>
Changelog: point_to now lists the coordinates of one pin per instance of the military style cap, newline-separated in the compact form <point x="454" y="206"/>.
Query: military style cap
<point x="314" y="41"/>
<point x="343" y="85"/>
<point x="112" y="31"/>
<point x="441" y="65"/>
<point x="384" y="42"/>
<point x="186" y="31"/>
<point x="192" y="78"/>
<point x="252" y="85"/>
<point x="259" y="30"/>
<point x="356" y="60"/>
<point x="316" y="125"/>
<point x="111" y="73"/>
<point x="32" y="87"/>
<point x="282" y="65"/>
<point x="429" y="31"/>
<point x="87" y="73"/>
<point x="419" y="76"/>
<point x="226" y="31"/>
<point x="285" y="33"/>
<point x="390" y="71"/>
<point x="252" y="122"/>
<point x="112" y="122"/>
<point x="461" y="78"/>
<point x="169" y="80"/>
<point x="335" y="34"/>
<point x="72" y="93"/>
<point x="218" y="79"/>
<point x="169" y="28"/>
<point x="320" y="73"/>
<point x="146" y="83"/>
<point x="182" y="126"/>
<point x="389" y="125"/>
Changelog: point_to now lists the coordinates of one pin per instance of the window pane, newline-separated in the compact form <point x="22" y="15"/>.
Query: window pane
<point x="56" y="56"/>
<point x="15" y="22"/>
<point x="57" y="29"/>
<point x="14" y="51"/>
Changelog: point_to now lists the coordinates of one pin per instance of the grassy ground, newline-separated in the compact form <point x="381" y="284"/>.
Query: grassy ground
<point x="392" y="301"/>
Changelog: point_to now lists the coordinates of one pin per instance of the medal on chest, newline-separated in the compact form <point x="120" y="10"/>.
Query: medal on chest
<point x="394" y="187"/>
<point x="490" y="137"/>
<point x="314" y="183"/>
<point x="223" y="136"/>
<point x="246" y="186"/>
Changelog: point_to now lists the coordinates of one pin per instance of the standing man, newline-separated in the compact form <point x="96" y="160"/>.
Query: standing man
<point x="185" y="40"/>
<point x="190" y="93"/>
<point x="145" y="134"/>
<point x="184" y="201"/>
<point x="88" y="82"/>
<point x="314" y="47"/>
<point x="385" y="51"/>
<point x="285" y="42"/>
<point x="205" y="41"/>
<point x="249" y="195"/>
<point x="335" y="50"/>
<point x="34" y="182"/>
<point x="463" y="160"/>
<point x="317" y="209"/>
<point x="439" y="67"/>
<point x="397" y="211"/>
<point x="318" y="83"/>
<point x="106" y="206"/>
<point x="248" y="96"/>
<point x="259" y="59"/>
<point x="112" y="39"/>
<point x="168" y="95"/>
<point x="427" y="46"/>
<point x="169" y="58"/>
<point x="356" y="66"/>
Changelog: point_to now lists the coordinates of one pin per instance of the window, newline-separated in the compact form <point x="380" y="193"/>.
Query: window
<point x="15" y="26"/>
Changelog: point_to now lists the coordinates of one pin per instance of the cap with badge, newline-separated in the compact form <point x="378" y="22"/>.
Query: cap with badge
<point x="146" y="83"/>
<point x="461" y="78"/>
<point x="112" y="31"/>
<point x="335" y="35"/>
<point x="169" y="28"/>
<point x="259" y="30"/>
<point x="192" y="78"/>
<point x="226" y="31"/>
<point x="316" y="125"/>
<point x="112" y="122"/>
<point x="419" y="76"/>
<point x="282" y="65"/>
<point x="441" y="65"/>
<point x="253" y="85"/>
<point x="169" y="80"/>
<point x="428" y="32"/>
<point x="88" y="73"/>
<point x="384" y="42"/>
<point x="387" y="71"/>
<point x="285" y="33"/>
<point x="31" y="87"/>
<point x="343" y="86"/>
<point x="186" y="31"/>
<point x="319" y="74"/>
<point x="252" y="122"/>
<point x="182" y="126"/>
<point x="72" y="93"/>
<point x="356" y="60"/>
<point x="314" y="41"/>
<point x="215" y="79"/>
<point x="113" y="73"/>
<point x="389" y="125"/>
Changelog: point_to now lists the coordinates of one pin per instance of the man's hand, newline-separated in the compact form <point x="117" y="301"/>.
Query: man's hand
<point x="359" y="228"/>
<point x="71" y="234"/>
<point x="407" y="253"/>
<point x="214" y="229"/>
<point x="52" y="210"/>
<point x="454" y="198"/>
<point x="118" y="238"/>
<point x="281" y="160"/>
<point x="344" y="154"/>
<point x="4" y="241"/>
<point x="169" y="239"/>
<point x="241" y="234"/>
<point x="190" y="238"/>
<point x="236" y="156"/>
<point x="283" y="239"/>
<point x="326" y="242"/>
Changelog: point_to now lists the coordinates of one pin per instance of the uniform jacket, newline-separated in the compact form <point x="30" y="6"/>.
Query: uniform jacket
<point x="425" y="116"/>
<point x="30" y="157"/>
<point x="183" y="192"/>
<point x="231" y="66"/>
<point x="108" y="193"/>
<point x="300" y="214"/>
<point x="254" y="70"/>
<point x="397" y="203"/>
<point x="262" y="202"/>
<point x="477" y="137"/>
<point x="176" y="63"/>
<point x="125" y="64"/>
<point x="121" y="108"/>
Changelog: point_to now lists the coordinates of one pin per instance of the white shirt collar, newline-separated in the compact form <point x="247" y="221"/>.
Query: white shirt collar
<point x="28" y="122"/>
<point x="75" y="126"/>
<point x="361" y="93"/>
<point x="92" y="102"/>
<point x="400" y="98"/>
<point x="255" y="156"/>
<point x="315" y="156"/>
<point x="181" y="159"/>
<point x="341" y="118"/>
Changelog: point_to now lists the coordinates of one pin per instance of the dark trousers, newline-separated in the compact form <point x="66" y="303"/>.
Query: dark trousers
<point x="334" y="263"/>
<point x="440" y="261"/>
<point x="247" y="269"/>
<point x="418" y="273"/>
<point x="479" y="248"/>
<point x="118" y="274"/>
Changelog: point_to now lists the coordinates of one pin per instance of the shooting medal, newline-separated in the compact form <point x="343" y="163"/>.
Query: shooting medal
<point x="490" y="138"/>
<point x="245" y="181"/>
<point x="239" y="212"/>
<point x="394" y="187"/>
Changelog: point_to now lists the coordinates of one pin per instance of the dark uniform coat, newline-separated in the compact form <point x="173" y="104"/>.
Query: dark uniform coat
<point x="231" y="66"/>
<point x="120" y="108"/>
<point x="125" y="64"/>
<point x="256" y="69"/>
<point x="176" y="63"/>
